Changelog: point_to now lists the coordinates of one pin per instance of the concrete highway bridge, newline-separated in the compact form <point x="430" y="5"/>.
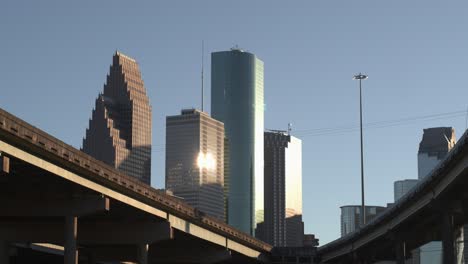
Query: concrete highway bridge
<point x="57" y="198"/>
<point x="435" y="210"/>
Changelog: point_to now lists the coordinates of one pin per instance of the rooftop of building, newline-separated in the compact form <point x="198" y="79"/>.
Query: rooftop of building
<point x="120" y="54"/>
<point x="359" y="206"/>
<point x="407" y="180"/>
<point x="187" y="112"/>
<point x="236" y="50"/>
<point x="192" y="111"/>
<point x="437" y="139"/>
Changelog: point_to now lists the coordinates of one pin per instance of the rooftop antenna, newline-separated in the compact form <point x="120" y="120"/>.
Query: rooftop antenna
<point x="202" y="82"/>
<point x="289" y="129"/>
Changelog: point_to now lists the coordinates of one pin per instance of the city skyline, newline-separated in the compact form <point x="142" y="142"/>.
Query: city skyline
<point x="311" y="51"/>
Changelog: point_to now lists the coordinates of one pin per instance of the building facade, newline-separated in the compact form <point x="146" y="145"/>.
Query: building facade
<point x="119" y="132"/>
<point x="237" y="101"/>
<point x="400" y="188"/>
<point x="282" y="225"/>
<point x="434" y="146"/>
<point x="351" y="217"/>
<point x="195" y="161"/>
<point x="436" y="143"/>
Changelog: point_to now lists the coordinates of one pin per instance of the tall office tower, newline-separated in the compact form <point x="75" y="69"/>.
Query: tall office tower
<point x="282" y="226"/>
<point x="195" y="160"/>
<point x="435" y="144"/>
<point x="237" y="101"/>
<point x="400" y="188"/>
<point x="119" y="132"/>
<point x="351" y="216"/>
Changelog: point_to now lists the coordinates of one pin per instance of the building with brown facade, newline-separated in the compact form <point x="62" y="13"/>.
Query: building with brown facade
<point x="119" y="132"/>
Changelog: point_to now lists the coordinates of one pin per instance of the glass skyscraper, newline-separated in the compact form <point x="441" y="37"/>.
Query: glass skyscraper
<point x="400" y="188"/>
<point x="119" y="132"/>
<point x="195" y="160"/>
<point x="351" y="216"/>
<point x="435" y="144"/>
<point x="237" y="101"/>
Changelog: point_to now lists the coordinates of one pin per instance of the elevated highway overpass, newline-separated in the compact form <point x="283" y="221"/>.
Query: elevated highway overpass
<point x="53" y="193"/>
<point x="435" y="210"/>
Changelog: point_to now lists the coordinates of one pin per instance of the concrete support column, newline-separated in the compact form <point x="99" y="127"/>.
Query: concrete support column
<point x="143" y="253"/>
<point x="400" y="252"/>
<point x="448" y="249"/>
<point x="71" y="230"/>
<point x="4" y="252"/>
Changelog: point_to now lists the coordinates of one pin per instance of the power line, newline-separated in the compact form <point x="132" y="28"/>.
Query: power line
<point x="339" y="130"/>
<point x="379" y="124"/>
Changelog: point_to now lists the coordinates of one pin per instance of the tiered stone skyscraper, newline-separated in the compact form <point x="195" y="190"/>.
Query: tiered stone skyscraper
<point x="119" y="132"/>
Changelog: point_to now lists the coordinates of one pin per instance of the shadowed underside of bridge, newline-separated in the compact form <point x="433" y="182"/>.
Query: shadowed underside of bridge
<point x="435" y="210"/>
<point x="53" y="193"/>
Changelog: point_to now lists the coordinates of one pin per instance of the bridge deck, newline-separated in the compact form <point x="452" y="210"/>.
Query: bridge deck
<point x="24" y="140"/>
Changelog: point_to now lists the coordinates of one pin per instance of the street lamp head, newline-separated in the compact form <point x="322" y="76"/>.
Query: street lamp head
<point x="360" y="77"/>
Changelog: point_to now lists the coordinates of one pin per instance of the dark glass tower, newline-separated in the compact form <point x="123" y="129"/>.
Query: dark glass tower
<point x="119" y="132"/>
<point x="283" y="226"/>
<point x="237" y="101"/>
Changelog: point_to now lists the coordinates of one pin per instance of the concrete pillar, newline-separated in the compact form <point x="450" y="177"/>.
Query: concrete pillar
<point x="71" y="230"/>
<point x="143" y="253"/>
<point x="4" y="164"/>
<point x="448" y="250"/>
<point x="4" y="252"/>
<point x="400" y="252"/>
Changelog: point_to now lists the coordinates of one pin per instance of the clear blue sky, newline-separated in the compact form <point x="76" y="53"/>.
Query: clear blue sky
<point x="55" y="57"/>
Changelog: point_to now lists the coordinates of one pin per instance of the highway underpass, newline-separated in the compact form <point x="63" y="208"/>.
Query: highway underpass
<point x="53" y="193"/>
<point x="435" y="210"/>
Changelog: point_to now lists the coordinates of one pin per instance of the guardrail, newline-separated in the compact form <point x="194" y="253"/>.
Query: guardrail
<point x="53" y="147"/>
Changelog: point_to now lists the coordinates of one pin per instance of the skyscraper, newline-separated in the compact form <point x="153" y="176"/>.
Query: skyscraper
<point x="195" y="160"/>
<point x="351" y="217"/>
<point x="435" y="144"/>
<point x="282" y="226"/>
<point x="237" y="101"/>
<point x="119" y="132"/>
<point x="400" y="188"/>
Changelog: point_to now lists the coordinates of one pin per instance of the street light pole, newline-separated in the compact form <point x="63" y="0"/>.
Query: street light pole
<point x="361" y="77"/>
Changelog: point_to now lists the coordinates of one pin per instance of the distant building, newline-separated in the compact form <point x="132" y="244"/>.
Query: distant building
<point x="434" y="146"/>
<point x="237" y="101"/>
<point x="195" y="161"/>
<point x="436" y="143"/>
<point x="282" y="225"/>
<point x="310" y="240"/>
<point x="351" y="217"/>
<point x="400" y="188"/>
<point x="119" y="132"/>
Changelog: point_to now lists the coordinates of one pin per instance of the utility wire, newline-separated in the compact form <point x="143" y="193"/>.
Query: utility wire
<point x="379" y="124"/>
<point x="339" y="130"/>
